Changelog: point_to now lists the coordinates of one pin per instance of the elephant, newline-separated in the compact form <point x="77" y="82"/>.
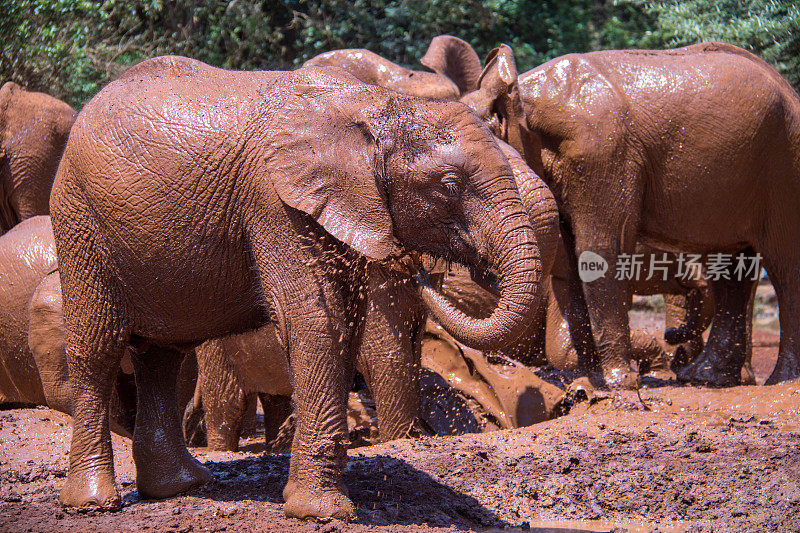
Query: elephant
<point x="445" y="56"/>
<point x="193" y="202"/>
<point x="33" y="132"/>
<point x="33" y="366"/>
<point x="690" y="150"/>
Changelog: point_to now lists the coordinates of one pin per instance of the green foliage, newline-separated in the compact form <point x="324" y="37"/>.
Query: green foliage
<point x="768" y="28"/>
<point x="70" y="48"/>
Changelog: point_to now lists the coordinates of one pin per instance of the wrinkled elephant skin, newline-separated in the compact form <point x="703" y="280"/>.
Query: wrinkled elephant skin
<point x="630" y="144"/>
<point x="296" y="180"/>
<point x="33" y="132"/>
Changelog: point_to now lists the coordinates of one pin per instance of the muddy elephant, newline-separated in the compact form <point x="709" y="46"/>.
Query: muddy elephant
<point x="679" y="149"/>
<point x="446" y="57"/>
<point x="33" y="132"/>
<point x="240" y="197"/>
<point x="33" y="366"/>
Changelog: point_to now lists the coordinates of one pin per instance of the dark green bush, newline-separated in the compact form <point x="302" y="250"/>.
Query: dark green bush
<point x="70" y="48"/>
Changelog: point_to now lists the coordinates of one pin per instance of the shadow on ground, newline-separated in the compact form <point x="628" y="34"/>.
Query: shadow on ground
<point x="386" y="491"/>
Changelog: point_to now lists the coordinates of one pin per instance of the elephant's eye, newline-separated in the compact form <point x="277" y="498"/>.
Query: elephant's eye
<point x="451" y="184"/>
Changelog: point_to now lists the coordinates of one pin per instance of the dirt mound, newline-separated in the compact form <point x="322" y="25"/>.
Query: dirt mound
<point x="685" y="459"/>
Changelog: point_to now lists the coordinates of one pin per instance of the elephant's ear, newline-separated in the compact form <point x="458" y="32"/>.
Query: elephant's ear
<point x="498" y="100"/>
<point x="332" y="170"/>
<point x="450" y="56"/>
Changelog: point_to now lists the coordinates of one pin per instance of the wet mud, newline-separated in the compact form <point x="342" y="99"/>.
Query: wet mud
<point x="681" y="459"/>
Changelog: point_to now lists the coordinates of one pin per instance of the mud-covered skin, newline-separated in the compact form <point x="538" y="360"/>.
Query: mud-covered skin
<point x="232" y="369"/>
<point x="33" y="367"/>
<point x="630" y="144"/>
<point x="33" y="132"/>
<point x="443" y="54"/>
<point x="302" y="174"/>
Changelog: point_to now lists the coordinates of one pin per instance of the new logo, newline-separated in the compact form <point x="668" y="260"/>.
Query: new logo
<point x="591" y="266"/>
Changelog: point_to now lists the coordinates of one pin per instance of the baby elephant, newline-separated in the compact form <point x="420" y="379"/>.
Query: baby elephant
<point x="33" y="131"/>
<point x="33" y="370"/>
<point x="239" y="198"/>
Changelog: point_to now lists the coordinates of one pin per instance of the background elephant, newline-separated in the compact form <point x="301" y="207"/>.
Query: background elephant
<point x="445" y="56"/>
<point x="302" y="174"/>
<point x="33" y="369"/>
<point x="631" y="145"/>
<point x="33" y="132"/>
<point x="33" y="366"/>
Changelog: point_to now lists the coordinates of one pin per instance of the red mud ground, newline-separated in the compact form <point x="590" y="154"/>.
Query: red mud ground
<point x="697" y="460"/>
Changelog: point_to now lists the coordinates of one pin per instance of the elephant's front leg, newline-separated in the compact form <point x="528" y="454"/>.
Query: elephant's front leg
<point x="319" y="339"/>
<point x="608" y="304"/>
<point x="389" y="355"/>
<point x="607" y="299"/>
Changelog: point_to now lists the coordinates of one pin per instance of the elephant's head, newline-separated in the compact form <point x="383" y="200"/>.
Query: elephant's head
<point x="453" y="61"/>
<point x="397" y="174"/>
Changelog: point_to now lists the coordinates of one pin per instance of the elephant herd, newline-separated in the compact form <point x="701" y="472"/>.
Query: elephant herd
<point x="218" y="235"/>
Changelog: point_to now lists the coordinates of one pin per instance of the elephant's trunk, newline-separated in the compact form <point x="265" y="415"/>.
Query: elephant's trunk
<point x="540" y="205"/>
<point x="514" y="254"/>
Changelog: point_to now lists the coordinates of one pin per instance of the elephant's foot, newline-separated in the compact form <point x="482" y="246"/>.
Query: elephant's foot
<point x="663" y="374"/>
<point x="323" y="504"/>
<point x="748" y="376"/>
<point x="90" y="491"/>
<point x="622" y="376"/>
<point x="221" y="441"/>
<point x="712" y="370"/>
<point x="168" y="477"/>
<point x="786" y="369"/>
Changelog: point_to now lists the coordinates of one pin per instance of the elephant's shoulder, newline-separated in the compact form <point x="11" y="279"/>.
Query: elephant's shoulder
<point x="567" y="77"/>
<point x="574" y="86"/>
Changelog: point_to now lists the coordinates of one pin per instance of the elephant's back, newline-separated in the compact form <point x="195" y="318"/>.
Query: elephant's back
<point x="373" y="69"/>
<point x="716" y="80"/>
<point x="27" y="255"/>
<point x="33" y="124"/>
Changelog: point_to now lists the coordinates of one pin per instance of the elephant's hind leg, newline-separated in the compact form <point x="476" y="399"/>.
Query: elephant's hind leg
<point x="787" y="288"/>
<point x="96" y="340"/>
<point x="164" y="467"/>
<point x="720" y="363"/>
